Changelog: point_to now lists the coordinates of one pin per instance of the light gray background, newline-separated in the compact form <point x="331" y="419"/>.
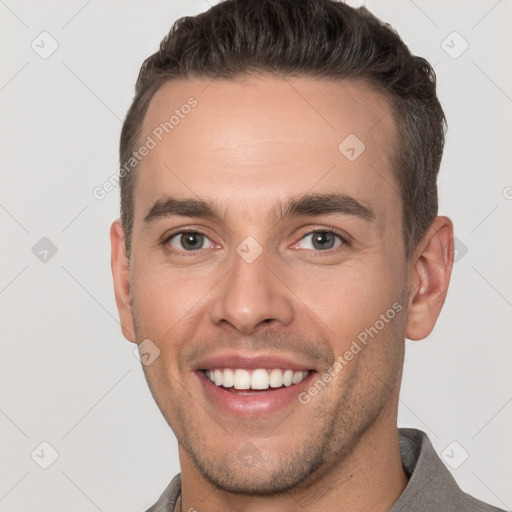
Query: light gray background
<point x="69" y="378"/>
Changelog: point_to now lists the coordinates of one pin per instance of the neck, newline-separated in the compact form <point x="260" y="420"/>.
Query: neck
<point x="370" y="477"/>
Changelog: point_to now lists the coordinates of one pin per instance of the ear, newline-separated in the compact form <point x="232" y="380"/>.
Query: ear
<point x="430" y="268"/>
<point x="121" y="275"/>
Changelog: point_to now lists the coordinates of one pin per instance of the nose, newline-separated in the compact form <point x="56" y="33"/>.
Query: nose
<point x="252" y="295"/>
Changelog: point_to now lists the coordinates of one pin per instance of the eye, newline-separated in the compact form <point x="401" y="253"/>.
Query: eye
<point x="188" y="241"/>
<point x="321" y="240"/>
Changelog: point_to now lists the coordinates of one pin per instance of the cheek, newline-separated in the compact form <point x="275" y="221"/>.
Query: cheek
<point x="349" y="297"/>
<point x="163" y="298"/>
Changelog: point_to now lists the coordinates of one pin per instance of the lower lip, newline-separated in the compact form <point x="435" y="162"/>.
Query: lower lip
<point x="259" y="403"/>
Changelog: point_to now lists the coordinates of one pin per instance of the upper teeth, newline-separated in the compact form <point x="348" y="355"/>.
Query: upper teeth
<point x="256" y="379"/>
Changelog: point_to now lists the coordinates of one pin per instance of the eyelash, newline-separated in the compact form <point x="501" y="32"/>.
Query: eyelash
<point x="314" y="253"/>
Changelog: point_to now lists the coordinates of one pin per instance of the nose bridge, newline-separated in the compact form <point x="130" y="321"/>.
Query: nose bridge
<point x="251" y="293"/>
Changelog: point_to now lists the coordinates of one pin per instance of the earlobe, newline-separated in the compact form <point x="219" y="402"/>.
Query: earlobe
<point x="121" y="277"/>
<point x="430" y="270"/>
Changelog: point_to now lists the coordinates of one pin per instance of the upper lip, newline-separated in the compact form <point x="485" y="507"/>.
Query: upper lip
<point x="252" y="361"/>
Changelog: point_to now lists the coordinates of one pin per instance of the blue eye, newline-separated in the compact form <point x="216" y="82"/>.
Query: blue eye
<point x="190" y="243"/>
<point x="323" y="240"/>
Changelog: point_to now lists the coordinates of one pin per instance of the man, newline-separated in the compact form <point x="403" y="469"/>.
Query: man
<point x="278" y="241"/>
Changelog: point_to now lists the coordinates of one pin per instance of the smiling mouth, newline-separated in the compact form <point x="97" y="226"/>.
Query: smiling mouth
<point x="244" y="381"/>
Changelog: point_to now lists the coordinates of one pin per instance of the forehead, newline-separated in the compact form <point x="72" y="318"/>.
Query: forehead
<point x="252" y="140"/>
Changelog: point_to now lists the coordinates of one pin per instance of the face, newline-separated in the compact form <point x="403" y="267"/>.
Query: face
<point x="267" y="241"/>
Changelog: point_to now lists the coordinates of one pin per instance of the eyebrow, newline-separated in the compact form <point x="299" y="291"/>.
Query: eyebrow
<point x="307" y="205"/>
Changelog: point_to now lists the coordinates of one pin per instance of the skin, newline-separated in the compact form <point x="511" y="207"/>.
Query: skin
<point x="246" y="145"/>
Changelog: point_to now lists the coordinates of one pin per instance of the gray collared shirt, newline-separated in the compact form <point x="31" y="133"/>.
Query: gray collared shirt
<point x="431" y="486"/>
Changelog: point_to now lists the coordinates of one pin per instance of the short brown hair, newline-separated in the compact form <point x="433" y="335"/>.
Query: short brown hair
<point x="317" y="38"/>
